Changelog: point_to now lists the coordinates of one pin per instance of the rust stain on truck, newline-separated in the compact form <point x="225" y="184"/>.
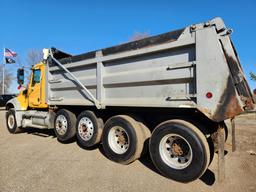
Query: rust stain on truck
<point x="228" y="105"/>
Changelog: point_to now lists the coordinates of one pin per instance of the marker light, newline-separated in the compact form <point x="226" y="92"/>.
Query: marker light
<point x="209" y="95"/>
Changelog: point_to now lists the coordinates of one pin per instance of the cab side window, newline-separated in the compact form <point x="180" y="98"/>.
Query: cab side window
<point x="36" y="76"/>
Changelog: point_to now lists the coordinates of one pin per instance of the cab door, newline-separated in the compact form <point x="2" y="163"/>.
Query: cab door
<point x="36" y="91"/>
<point x="35" y="85"/>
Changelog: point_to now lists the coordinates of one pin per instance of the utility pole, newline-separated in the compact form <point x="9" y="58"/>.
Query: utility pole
<point x="3" y="71"/>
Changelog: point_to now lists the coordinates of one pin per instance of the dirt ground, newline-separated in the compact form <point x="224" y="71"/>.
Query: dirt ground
<point x="36" y="161"/>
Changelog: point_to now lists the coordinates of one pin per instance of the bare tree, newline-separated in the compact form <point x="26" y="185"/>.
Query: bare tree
<point x="8" y="79"/>
<point x="34" y="56"/>
<point x="138" y="36"/>
<point x="253" y="76"/>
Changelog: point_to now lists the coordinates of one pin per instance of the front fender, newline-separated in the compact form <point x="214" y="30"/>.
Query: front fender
<point x="19" y="110"/>
<point x="14" y="103"/>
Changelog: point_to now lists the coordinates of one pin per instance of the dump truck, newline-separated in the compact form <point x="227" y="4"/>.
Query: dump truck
<point x="167" y="95"/>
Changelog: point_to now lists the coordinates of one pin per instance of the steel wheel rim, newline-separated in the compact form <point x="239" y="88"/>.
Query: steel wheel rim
<point x="11" y="121"/>
<point x="118" y="140"/>
<point x="175" y="151"/>
<point x="85" y="128"/>
<point x="61" y="125"/>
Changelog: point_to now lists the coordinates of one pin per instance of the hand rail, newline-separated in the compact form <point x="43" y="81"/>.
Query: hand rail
<point x="96" y="102"/>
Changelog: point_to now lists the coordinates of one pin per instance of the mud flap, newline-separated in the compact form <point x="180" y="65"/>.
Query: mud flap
<point x="221" y="151"/>
<point x="233" y="138"/>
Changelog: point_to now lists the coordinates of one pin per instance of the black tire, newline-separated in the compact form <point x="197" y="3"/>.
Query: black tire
<point x="211" y="131"/>
<point x="199" y="157"/>
<point x="136" y="133"/>
<point x="205" y="129"/>
<point x="92" y="137"/>
<point x="11" y="123"/>
<point x="70" y="121"/>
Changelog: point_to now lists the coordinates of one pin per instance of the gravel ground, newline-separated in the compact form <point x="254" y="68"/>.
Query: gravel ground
<point x="36" y="161"/>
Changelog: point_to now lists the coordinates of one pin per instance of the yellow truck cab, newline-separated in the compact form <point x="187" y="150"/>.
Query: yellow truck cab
<point x="34" y="96"/>
<point x="30" y="108"/>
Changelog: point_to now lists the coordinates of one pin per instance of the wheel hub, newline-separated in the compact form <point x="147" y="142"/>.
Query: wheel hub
<point x="11" y="121"/>
<point x="122" y="139"/>
<point x="175" y="151"/>
<point x="61" y="125"/>
<point x="118" y="140"/>
<point x="85" y="128"/>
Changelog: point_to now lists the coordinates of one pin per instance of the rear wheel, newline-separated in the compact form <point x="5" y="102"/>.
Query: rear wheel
<point x="65" y="125"/>
<point x="123" y="139"/>
<point x="179" y="150"/>
<point x="11" y="123"/>
<point x="89" y="129"/>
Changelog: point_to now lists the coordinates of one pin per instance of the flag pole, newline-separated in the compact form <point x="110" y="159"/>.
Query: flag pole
<point x="3" y="71"/>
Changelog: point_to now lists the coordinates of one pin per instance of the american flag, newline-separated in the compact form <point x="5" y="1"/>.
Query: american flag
<point x="9" y="53"/>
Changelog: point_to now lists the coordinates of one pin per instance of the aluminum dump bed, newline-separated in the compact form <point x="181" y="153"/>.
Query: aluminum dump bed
<point x="195" y="67"/>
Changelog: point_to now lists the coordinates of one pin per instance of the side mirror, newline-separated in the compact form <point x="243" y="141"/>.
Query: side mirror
<point x="20" y="76"/>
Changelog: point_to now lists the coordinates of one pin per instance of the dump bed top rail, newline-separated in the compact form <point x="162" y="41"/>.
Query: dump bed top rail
<point x="146" y="42"/>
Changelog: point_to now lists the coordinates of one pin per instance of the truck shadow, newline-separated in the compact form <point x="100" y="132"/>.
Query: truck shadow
<point x="97" y="146"/>
<point x="40" y="132"/>
<point x="45" y="133"/>
<point x="208" y="177"/>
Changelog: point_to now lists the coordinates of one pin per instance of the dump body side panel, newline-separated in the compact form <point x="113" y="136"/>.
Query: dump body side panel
<point x="172" y="71"/>
<point x="156" y="78"/>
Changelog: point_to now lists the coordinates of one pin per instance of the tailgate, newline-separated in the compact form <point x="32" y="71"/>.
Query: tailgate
<point x="237" y="73"/>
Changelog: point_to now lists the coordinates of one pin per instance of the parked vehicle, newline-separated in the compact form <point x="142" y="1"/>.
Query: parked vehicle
<point x="171" y="92"/>
<point x="5" y="98"/>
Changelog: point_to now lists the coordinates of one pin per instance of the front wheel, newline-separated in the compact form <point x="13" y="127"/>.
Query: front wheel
<point x="179" y="150"/>
<point x="11" y="123"/>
